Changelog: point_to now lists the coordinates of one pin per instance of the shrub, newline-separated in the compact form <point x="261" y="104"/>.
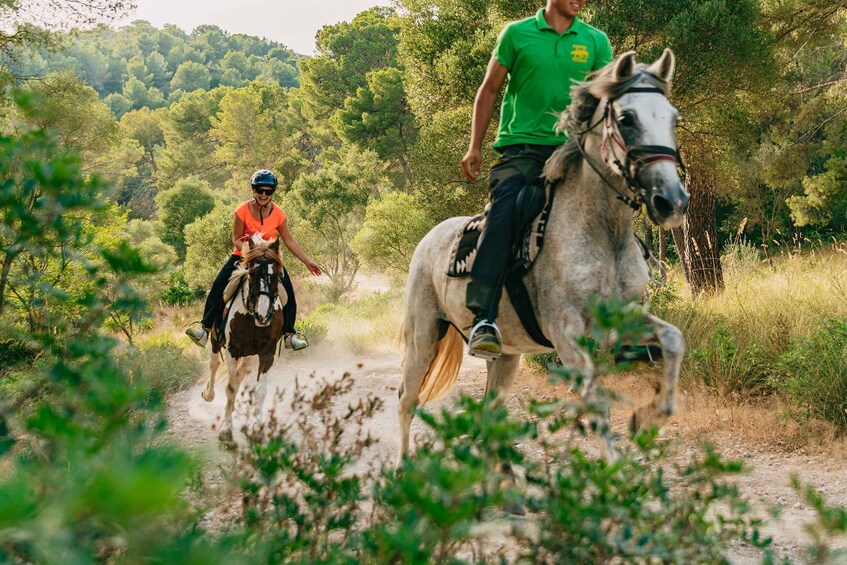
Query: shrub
<point x="313" y="329"/>
<point x="308" y="495"/>
<point x="163" y="368"/>
<point x="814" y="374"/>
<point x="209" y="245"/>
<point x="385" y="244"/>
<point x="179" y="206"/>
<point x="737" y="340"/>
<point x="830" y="522"/>
<point x="728" y="368"/>
<point x="15" y="351"/>
<point x="86" y="476"/>
<point x="740" y="259"/>
<point x="178" y="291"/>
<point x="543" y="361"/>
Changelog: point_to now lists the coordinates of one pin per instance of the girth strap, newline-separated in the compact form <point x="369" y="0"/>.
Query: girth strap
<point x="519" y="296"/>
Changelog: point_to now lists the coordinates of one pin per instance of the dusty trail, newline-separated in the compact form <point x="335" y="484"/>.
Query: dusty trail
<point x="767" y="486"/>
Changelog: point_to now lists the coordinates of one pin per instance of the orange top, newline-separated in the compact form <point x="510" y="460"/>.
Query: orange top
<point x="268" y="227"/>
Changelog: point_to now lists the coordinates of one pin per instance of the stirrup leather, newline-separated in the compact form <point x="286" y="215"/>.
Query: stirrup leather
<point x="484" y="354"/>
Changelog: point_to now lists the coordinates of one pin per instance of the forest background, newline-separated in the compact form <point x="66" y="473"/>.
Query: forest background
<point x="373" y="126"/>
<point x="125" y="152"/>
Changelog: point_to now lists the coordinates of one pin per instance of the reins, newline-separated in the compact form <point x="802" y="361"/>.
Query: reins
<point x="636" y="157"/>
<point x="265" y="289"/>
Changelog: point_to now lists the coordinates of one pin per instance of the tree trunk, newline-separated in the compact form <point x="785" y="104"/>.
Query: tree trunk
<point x="4" y="278"/>
<point x="697" y="239"/>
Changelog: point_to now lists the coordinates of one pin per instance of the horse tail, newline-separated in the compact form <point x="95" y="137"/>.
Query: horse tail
<point x="440" y="376"/>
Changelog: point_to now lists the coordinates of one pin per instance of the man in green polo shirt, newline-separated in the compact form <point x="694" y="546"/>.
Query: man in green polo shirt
<point x="542" y="56"/>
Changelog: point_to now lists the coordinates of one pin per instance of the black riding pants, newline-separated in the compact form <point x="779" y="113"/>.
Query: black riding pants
<point x="215" y="299"/>
<point x="519" y="167"/>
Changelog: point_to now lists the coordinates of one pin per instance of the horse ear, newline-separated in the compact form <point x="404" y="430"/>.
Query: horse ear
<point x="624" y="66"/>
<point x="665" y="66"/>
<point x="250" y="243"/>
<point x="275" y="245"/>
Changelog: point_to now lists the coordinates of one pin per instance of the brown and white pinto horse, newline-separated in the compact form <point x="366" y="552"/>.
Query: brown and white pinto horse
<point x="253" y="325"/>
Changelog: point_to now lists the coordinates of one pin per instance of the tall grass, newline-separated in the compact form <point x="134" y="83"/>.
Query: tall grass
<point x="750" y="339"/>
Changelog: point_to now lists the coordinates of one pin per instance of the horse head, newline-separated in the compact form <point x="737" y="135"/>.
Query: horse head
<point x="264" y="266"/>
<point x="624" y="116"/>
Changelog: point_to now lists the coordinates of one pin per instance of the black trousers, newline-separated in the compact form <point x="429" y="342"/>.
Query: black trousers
<point x="215" y="299"/>
<point x="519" y="167"/>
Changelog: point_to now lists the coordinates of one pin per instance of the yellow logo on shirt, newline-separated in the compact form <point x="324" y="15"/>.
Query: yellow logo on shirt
<point x="580" y="54"/>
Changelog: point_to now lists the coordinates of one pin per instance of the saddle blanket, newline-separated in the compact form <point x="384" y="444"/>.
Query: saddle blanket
<point x="531" y="239"/>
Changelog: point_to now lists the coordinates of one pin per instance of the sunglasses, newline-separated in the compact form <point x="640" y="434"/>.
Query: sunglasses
<point x="266" y="191"/>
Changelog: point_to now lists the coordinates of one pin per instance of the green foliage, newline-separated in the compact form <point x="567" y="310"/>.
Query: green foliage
<point x="191" y="76"/>
<point x="141" y="96"/>
<point x="42" y="183"/>
<point x="86" y="474"/>
<point x="730" y="369"/>
<point x="254" y="130"/>
<point x="107" y="59"/>
<point x="189" y="200"/>
<point x="308" y="496"/>
<point x="831" y="522"/>
<point x="386" y="244"/>
<point x="189" y="145"/>
<point x="209" y="245"/>
<point x="15" y="351"/>
<point x="346" y="53"/>
<point x="813" y="374"/>
<point x="178" y="291"/>
<point x="378" y="117"/>
<point x="157" y="253"/>
<point x="330" y="207"/>
<point x="315" y="330"/>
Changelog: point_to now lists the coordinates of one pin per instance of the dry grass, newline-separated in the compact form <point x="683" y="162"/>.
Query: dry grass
<point x="769" y="305"/>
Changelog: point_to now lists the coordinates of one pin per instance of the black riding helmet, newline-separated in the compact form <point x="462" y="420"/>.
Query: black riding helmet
<point x="263" y="178"/>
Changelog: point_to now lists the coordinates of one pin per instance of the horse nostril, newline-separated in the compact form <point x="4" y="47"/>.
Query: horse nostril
<point x="662" y="206"/>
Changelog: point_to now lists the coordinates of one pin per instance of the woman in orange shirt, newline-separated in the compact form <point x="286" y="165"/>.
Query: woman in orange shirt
<point x="253" y="216"/>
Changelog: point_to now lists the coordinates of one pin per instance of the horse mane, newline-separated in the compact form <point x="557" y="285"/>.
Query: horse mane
<point x="261" y="250"/>
<point x="585" y="98"/>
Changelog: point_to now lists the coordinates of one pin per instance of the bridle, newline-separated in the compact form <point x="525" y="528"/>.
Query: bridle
<point x="636" y="157"/>
<point x="266" y="287"/>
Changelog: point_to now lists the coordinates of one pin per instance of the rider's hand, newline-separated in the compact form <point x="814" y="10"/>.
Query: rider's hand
<point x="313" y="267"/>
<point x="470" y="164"/>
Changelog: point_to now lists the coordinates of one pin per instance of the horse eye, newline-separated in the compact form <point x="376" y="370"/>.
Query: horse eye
<point x="627" y="120"/>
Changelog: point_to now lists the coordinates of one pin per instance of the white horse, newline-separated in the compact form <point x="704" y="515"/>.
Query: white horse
<point x="623" y="153"/>
<point x="253" y="325"/>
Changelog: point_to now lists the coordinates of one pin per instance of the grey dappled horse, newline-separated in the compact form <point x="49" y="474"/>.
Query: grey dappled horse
<point x="253" y="325"/>
<point x="622" y="153"/>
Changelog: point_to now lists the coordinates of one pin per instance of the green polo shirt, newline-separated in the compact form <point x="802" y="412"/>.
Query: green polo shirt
<point x="543" y="66"/>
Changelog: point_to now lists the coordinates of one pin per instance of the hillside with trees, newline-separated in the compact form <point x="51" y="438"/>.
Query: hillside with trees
<point x="138" y="65"/>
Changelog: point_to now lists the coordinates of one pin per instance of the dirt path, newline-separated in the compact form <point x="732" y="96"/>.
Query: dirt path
<point x="738" y="433"/>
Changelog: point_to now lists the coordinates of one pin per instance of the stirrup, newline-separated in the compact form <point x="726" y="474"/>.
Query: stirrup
<point x="199" y="335"/>
<point x="487" y="355"/>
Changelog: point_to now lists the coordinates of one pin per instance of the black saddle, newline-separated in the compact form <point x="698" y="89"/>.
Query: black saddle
<point x="531" y="213"/>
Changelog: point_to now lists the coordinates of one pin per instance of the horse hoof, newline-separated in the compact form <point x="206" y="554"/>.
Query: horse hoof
<point x="208" y="395"/>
